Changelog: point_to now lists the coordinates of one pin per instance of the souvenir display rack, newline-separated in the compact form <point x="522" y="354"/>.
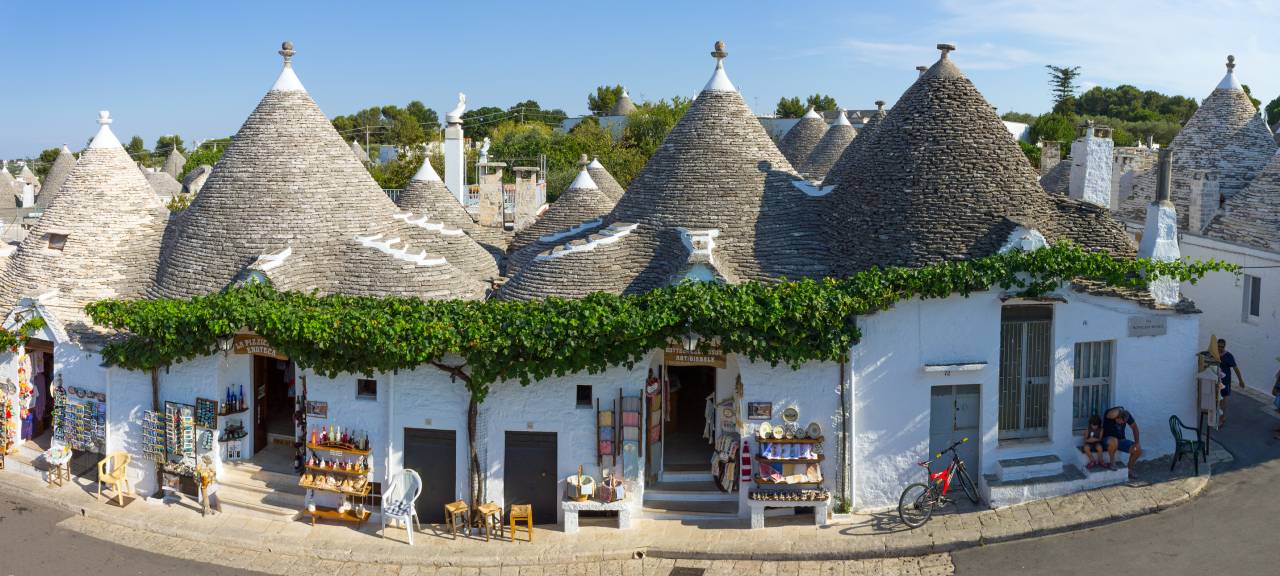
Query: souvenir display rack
<point x="630" y="426"/>
<point x="607" y="434"/>
<point x="206" y="413"/>
<point x="339" y="467"/>
<point x="788" y="457"/>
<point x="79" y="418"/>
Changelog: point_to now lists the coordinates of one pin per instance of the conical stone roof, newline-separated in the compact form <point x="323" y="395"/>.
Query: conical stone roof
<point x="798" y="143"/>
<point x="56" y="177"/>
<point x="941" y="180"/>
<point x="109" y="224"/>
<point x="1252" y="217"/>
<point x="843" y="164"/>
<point x="289" y="201"/>
<point x="427" y="195"/>
<point x="26" y="175"/>
<point x="360" y="153"/>
<point x="829" y="149"/>
<point x="173" y="163"/>
<point x="717" y="196"/>
<point x="8" y="185"/>
<point x="623" y="105"/>
<point x="607" y="183"/>
<point x="582" y="201"/>
<point x="1226" y="135"/>
<point x="163" y="184"/>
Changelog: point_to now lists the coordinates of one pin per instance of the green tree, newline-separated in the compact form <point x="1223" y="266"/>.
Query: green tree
<point x="1055" y="127"/>
<point x="209" y="153"/>
<point x="397" y="173"/>
<point x="789" y="107"/>
<point x="1031" y="151"/>
<point x="1062" y="81"/>
<point x="603" y="100"/>
<point x="403" y="128"/>
<point x="1273" y="111"/>
<point x="478" y="121"/>
<point x="166" y="143"/>
<point x="426" y="117"/>
<point x="45" y="161"/>
<point x="822" y="103"/>
<point x="137" y="150"/>
<point x="1257" y="104"/>
<point x="648" y="126"/>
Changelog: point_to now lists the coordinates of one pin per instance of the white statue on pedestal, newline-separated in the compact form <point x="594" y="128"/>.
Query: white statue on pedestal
<point x="455" y="116"/>
<point x="484" y="150"/>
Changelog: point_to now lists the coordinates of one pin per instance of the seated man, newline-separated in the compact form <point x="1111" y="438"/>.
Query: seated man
<point x="1113" y="422"/>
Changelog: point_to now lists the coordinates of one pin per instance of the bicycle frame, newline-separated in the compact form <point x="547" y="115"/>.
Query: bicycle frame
<point x="944" y="476"/>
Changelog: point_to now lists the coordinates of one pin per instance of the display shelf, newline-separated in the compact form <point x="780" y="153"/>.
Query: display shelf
<point x="819" y="458"/>
<point x="233" y="413"/>
<point x="789" y="440"/>
<point x="763" y="482"/>
<point x="368" y="488"/>
<point x="338" y="447"/>
<point x="338" y="470"/>
<point x="327" y="513"/>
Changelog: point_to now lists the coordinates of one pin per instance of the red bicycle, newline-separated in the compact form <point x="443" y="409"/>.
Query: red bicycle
<point x="919" y="500"/>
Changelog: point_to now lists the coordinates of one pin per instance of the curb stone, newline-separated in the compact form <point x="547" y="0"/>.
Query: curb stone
<point x="1006" y="525"/>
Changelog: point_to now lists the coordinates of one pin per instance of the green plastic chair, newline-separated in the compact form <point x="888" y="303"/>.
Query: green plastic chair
<point x="1195" y="448"/>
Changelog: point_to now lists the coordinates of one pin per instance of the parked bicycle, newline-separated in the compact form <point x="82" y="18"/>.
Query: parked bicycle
<point x="919" y="500"/>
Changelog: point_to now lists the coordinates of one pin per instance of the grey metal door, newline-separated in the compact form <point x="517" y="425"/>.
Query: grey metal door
<point x="529" y="474"/>
<point x="1025" y="352"/>
<point x="433" y="455"/>
<point x="954" y="415"/>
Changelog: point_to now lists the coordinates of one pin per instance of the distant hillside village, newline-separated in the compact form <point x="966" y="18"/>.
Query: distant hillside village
<point x="667" y="335"/>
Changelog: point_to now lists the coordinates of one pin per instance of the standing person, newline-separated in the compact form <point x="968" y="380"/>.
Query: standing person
<point x="1227" y="363"/>
<point x="1113" y="437"/>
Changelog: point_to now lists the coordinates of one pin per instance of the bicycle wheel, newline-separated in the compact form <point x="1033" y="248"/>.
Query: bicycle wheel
<point x="970" y="489"/>
<point x="916" y="504"/>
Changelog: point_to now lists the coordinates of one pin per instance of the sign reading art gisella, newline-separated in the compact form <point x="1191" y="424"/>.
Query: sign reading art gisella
<point x="676" y="355"/>
<point x="254" y="344"/>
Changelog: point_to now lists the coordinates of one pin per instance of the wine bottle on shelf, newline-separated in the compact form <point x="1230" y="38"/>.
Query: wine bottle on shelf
<point x="243" y="405"/>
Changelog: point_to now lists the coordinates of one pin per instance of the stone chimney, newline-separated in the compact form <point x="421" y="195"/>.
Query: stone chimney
<point x="1091" y="158"/>
<point x="1050" y="155"/>
<point x="455" y="156"/>
<point x="1160" y="232"/>
<point x="526" y="200"/>
<point x="491" y="204"/>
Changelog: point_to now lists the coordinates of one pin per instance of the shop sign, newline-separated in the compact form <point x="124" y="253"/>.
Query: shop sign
<point x="1148" y="326"/>
<point x="676" y="355"/>
<point x="254" y="344"/>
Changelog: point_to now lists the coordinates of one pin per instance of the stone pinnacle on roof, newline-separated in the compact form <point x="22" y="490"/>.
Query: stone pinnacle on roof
<point x="289" y="184"/>
<point x="1229" y="81"/>
<point x="719" y="81"/>
<point x="798" y="143"/>
<point x="940" y="180"/>
<point x="99" y="238"/>
<point x="716" y="201"/>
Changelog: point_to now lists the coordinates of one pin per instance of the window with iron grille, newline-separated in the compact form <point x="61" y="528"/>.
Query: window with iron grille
<point x="1092" y="391"/>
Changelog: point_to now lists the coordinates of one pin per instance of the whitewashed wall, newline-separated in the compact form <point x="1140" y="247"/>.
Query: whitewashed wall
<point x="1220" y="295"/>
<point x="426" y="398"/>
<point x="1154" y="378"/>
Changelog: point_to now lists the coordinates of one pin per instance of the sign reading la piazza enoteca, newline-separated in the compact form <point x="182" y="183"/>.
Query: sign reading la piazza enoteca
<point x="254" y="344"/>
<point x="676" y="355"/>
<point x="1148" y="325"/>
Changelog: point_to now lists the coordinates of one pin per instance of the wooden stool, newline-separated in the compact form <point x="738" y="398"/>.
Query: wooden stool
<point x="59" y="473"/>
<point x="490" y="517"/>
<point x="521" y="512"/>
<point x="454" y="511"/>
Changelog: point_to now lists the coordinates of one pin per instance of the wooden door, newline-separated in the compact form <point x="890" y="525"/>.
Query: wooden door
<point x="258" y="397"/>
<point x="433" y="454"/>
<point x="529" y="474"/>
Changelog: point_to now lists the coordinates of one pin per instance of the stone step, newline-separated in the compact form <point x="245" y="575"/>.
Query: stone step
<point x="690" y="511"/>
<point x="1120" y="474"/>
<point x="278" y="505"/>
<point x="1014" y="469"/>
<point x="701" y="475"/>
<point x="999" y="493"/>
<point x="703" y="491"/>
<point x="252" y="478"/>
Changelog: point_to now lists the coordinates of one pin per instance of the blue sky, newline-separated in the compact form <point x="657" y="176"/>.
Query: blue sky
<point x="197" y="69"/>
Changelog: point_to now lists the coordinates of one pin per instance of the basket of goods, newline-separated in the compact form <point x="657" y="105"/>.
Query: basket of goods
<point x="611" y="489"/>
<point x="580" y="487"/>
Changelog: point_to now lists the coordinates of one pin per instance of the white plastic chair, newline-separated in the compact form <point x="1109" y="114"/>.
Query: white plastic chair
<point x="399" y="502"/>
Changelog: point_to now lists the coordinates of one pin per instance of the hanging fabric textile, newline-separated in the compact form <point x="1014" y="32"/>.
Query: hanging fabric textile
<point x="708" y="430"/>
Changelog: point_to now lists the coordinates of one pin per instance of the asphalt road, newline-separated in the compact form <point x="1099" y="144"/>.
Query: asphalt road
<point x="32" y="543"/>
<point x="1233" y="528"/>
